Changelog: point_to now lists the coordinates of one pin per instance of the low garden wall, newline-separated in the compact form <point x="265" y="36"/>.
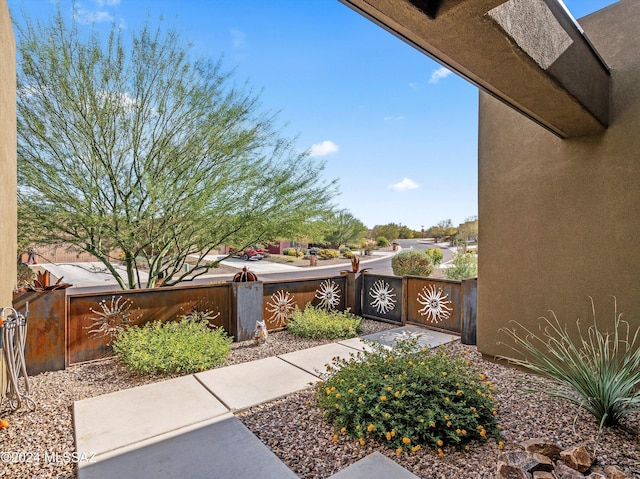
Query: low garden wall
<point x="66" y="328"/>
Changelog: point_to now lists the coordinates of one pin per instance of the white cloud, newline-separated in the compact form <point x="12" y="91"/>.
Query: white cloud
<point x="394" y="118"/>
<point x="414" y="85"/>
<point x="404" y="185"/>
<point x="439" y="74"/>
<point x="323" y="149"/>
<point x="92" y="16"/>
<point x="239" y="38"/>
<point x="109" y="3"/>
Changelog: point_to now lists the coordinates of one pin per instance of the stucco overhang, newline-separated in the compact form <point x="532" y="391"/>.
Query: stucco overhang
<point x="531" y="54"/>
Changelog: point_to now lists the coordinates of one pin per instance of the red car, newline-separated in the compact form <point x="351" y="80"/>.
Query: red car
<point x="248" y="254"/>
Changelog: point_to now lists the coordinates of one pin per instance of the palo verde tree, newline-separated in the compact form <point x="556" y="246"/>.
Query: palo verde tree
<point x="131" y="149"/>
<point x="343" y="228"/>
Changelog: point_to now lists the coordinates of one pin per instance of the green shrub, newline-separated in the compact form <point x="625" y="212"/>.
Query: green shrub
<point x="25" y="275"/>
<point x="344" y="249"/>
<point x="436" y="255"/>
<point x="328" y="254"/>
<point x="408" y="398"/>
<point x="348" y="254"/>
<point x="382" y="241"/>
<point x="598" y="371"/>
<point x="173" y="347"/>
<point x="412" y="263"/>
<point x="316" y="322"/>
<point x="293" y="252"/>
<point x="465" y="265"/>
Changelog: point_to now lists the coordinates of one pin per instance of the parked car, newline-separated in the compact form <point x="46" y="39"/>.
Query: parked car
<point x="252" y="253"/>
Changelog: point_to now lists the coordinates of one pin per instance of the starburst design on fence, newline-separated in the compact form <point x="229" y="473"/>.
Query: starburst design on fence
<point x="281" y="305"/>
<point x="113" y="318"/>
<point x="436" y="306"/>
<point x="329" y="294"/>
<point x="384" y="299"/>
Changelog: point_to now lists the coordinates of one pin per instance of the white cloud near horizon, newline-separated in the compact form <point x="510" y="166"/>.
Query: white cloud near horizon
<point x="394" y="118"/>
<point x="323" y="149"/>
<point x="439" y="74"/>
<point x="404" y="185"/>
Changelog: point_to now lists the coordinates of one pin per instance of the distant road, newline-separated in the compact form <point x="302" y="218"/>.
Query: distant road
<point x="378" y="266"/>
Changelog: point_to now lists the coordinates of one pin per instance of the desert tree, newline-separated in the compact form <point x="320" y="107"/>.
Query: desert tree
<point x="343" y="228"/>
<point x="138" y="152"/>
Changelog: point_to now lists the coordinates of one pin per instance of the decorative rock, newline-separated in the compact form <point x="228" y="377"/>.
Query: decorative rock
<point x="544" y="463"/>
<point x="613" y="472"/>
<point x="521" y="460"/>
<point x="596" y="475"/>
<point x="543" y="446"/>
<point x="563" y="471"/>
<point x="578" y="458"/>
<point x="544" y="475"/>
<point x="509" y="471"/>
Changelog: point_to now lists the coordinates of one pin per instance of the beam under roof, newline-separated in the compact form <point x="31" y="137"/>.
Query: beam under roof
<point x="531" y="54"/>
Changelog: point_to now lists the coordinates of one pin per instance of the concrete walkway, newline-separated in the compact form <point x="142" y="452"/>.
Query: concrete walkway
<point x="185" y="427"/>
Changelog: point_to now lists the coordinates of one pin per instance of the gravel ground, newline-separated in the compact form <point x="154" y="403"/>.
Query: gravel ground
<point x="294" y="430"/>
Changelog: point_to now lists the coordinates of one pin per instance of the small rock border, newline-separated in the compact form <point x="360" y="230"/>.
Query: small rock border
<point x="545" y="459"/>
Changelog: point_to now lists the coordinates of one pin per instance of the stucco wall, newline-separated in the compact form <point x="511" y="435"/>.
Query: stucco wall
<point x="7" y="157"/>
<point x="560" y="219"/>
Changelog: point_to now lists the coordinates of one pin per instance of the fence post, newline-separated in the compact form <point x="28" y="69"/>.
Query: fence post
<point x="354" y="293"/>
<point x="469" y="311"/>
<point x="246" y="309"/>
<point x="46" y="342"/>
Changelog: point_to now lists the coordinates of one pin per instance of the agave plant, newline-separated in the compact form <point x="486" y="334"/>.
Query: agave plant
<point x="600" y="372"/>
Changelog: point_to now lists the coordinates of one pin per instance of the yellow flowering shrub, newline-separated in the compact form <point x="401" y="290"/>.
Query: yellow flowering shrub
<point x="408" y="398"/>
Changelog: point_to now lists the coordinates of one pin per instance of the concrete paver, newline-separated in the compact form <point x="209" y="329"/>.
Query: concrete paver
<point x="356" y="343"/>
<point x="314" y="360"/>
<point x="222" y="448"/>
<point x="115" y="420"/>
<point x="374" y="466"/>
<point x="426" y="337"/>
<point x="247" y="384"/>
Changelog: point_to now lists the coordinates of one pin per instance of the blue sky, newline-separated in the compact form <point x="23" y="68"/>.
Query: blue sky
<point x="398" y="131"/>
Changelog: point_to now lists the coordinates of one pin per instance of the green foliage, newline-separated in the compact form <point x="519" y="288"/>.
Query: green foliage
<point x="443" y="230"/>
<point x="328" y="254"/>
<point x="596" y="369"/>
<point x="111" y="128"/>
<point x="408" y="398"/>
<point x="342" y="227"/>
<point x="412" y="263"/>
<point x="298" y="253"/>
<point x="25" y="275"/>
<point x="393" y="231"/>
<point x="348" y="254"/>
<point x="436" y="255"/>
<point x="465" y="265"/>
<point x="174" y="347"/>
<point x="382" y="242"/>
<point x="316" y="322"/>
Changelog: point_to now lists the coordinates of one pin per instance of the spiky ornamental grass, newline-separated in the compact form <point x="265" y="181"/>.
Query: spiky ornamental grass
<point x="600" y="372"/>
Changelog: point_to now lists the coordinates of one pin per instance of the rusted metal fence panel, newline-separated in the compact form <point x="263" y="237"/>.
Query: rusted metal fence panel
<point x="46" y="336"/>
<point x="88" y="312"/>
<point x="434" y="303"/>
<point x="281" y="298"/>
<point x="382" y="297"/>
